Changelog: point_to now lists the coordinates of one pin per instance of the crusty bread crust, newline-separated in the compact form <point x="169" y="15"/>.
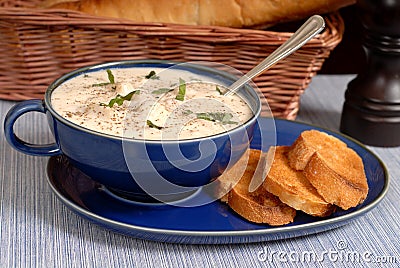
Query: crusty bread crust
<point x="333" y="176"/>
<point x="335" y="170"/>
<point x="293" y="188"/>
<point x="232" y="13"/>
<point x="308" y="143"/>
<point x="232" y="176"/>
<point x="259" y="206"/>
<point x="338" y="176"/>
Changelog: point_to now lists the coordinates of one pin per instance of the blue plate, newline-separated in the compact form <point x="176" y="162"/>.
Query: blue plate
<point x="214" y="223"/>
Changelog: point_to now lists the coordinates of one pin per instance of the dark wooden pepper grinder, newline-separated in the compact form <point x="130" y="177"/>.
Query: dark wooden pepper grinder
<point x="371" y="112"/>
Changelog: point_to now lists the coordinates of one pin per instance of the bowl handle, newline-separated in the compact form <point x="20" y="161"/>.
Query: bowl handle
<point x="32" y="149"/>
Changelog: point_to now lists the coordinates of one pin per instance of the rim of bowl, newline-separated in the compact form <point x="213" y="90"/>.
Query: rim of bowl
<point x="132" y="63"/>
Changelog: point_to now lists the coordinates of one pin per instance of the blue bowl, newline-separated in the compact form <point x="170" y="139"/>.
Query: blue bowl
<point x="140" y="169"/>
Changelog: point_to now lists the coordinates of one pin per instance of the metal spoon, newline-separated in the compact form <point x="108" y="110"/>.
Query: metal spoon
<point x="308" y="30"/>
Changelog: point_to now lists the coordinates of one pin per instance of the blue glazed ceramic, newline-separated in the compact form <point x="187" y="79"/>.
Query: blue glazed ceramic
<point x="215" y="222"/>
<point x="116" y="163"/>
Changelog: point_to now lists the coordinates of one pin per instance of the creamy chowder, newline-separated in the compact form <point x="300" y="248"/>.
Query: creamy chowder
<point x="149" y="103"/>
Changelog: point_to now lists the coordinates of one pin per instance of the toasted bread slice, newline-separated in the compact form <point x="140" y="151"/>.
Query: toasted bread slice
<point x="259" y="206"/>
<point x="338" y="175"/>
<point x="293" y="188"/>
<point x="231" y="177"/>
<point x="307" y="144"/>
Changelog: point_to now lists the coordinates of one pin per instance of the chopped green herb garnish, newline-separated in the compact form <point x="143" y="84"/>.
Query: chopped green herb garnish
<point x="152" y="75"/>
<point x="182" y="90"/>
<point x="187" y="112"/>
<point x="223" y="118"/>
<point x="152" y="125"/>
<point x="219" y="90"/>
<point x="119" y="99"/>
<point x="162" y="90"/>
<point x="110" y="79"/>
<point x="110" y="76"/>
<point x="100" y="84"/>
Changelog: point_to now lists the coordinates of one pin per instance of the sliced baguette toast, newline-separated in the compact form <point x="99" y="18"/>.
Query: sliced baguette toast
<point x="335" y="170"/>
<point x="307" y="144"/>
<point x="316" y="174"/>
<point x="231" y="177"/>
<point x="338" y="175"/>
<point x="259" y="206"/>
<point x="293" y="188"/>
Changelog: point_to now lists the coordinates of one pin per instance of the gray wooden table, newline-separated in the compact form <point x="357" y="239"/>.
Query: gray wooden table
<point x="37" y="230"/>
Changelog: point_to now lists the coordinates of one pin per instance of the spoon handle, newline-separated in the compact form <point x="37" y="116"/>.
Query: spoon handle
<point x="308" y="30"/>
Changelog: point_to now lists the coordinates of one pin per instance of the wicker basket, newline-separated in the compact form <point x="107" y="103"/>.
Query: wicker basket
<point x="37" y="46"/>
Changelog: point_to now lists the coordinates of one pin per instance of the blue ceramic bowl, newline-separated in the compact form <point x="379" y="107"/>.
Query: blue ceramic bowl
<point x="129" y="167"/>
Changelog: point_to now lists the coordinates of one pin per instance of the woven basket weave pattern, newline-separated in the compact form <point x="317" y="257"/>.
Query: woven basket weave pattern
<point x="38" y="46"/>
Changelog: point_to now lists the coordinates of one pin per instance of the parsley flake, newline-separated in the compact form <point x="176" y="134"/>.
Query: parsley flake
<point x="223" y="118"/>
<point x="110" y="79"/>
<point x="182" y="90"/>
<point x="152" y="125"/>
<point x="119" y="99"/>
<point x="152" y="75"/>
<point x="219" y="90"/>
<point x="162" y="90"/>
